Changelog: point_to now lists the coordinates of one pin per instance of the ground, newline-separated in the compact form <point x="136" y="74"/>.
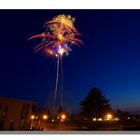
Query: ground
<point x="93" y="126"/>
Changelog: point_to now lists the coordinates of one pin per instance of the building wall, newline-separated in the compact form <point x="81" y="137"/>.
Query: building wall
<point x="16" y="112"/>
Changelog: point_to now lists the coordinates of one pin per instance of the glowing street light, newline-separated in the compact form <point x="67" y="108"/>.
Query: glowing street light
<point x="45" y="117"/>
<point x="116" y="119"/>
<point x="100" y="119"/>
<point x="63" y="116"/>
<point x="32" y="117"/>
<point x="109" y="116"/>
<point x="94" y="119"/>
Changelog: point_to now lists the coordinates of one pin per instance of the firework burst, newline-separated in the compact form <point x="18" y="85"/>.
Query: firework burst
<point x="59" y="36"/>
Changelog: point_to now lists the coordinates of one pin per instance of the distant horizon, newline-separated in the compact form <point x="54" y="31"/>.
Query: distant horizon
<point x="75" y="112"/>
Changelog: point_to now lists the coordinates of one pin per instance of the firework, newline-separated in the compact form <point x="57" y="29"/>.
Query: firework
<point x="59" y="36"/>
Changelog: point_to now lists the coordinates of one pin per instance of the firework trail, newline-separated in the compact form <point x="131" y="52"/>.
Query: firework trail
<point x="61" y="82"/>
<point x="57" y="80"/>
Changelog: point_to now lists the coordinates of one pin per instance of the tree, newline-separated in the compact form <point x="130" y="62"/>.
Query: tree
<point x="95" y="104"/>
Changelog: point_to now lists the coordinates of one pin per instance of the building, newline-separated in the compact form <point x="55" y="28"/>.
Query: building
<point x="15" y="113"/>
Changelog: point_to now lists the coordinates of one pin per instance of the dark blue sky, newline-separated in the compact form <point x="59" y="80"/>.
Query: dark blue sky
<point x="109" y="59"/>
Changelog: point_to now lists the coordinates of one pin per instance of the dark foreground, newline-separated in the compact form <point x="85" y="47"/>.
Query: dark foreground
<point x="83" y="126"/>
<point x="91" y="126"/>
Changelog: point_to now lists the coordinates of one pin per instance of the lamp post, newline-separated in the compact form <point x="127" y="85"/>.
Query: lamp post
<point x="32" y="118"/>
<point x="42" y="120"/>
<point x="63" y="117"/>
<point x="45" y="117"/>
<point x="109" y="117"/>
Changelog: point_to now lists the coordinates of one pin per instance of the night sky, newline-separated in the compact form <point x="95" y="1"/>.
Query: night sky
<point x="109" y="58"/>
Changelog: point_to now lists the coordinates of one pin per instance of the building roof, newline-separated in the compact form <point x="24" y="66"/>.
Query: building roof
<point x="18" y="100"/>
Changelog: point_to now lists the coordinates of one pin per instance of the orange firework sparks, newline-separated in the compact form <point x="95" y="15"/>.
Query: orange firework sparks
<point x="59" y="36"/>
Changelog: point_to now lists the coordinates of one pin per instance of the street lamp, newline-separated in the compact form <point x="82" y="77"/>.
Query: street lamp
<point x="32" y="118"/>
<point x="45" y="117"/>
<point x="109" y="116"/>
<point x="63" y="117"/>
<point x="94" y="119"/>
<point x="99" y="119"/>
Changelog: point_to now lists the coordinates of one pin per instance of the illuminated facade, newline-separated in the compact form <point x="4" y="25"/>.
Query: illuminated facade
<point x="15" y="113"/>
